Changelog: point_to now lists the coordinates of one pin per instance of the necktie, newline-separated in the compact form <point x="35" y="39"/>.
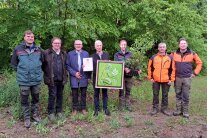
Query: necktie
<point x="79" y="61"/>
<point x="99" y="55"/>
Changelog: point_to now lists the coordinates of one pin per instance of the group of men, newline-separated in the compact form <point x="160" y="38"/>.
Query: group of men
<point x="163" y="69"/>
<point x="30" y="61"/>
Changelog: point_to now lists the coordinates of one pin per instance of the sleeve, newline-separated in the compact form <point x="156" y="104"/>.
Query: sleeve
<point x="149" y="69"/>
<point x="69" y="67"/>
<point x="14" y="60"/>
<point x="115" y="57"/>
<point x="43" y="60"/>
<point x="172" y="76"/>
<point x="199" y="63"/>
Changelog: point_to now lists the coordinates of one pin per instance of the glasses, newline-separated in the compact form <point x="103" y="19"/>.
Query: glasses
<point x="56" y="43"/>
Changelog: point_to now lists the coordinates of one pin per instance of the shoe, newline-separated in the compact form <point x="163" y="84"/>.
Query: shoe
<point x="27" y="123"/>
<point x="129" y="108"/>
<point x="167" y="113"/>
<point x="177" y="113"/>
<point x="95" y="113"/>
<point x="84" y="112"/>
<point x="154" y="111"/>
<point x="107" y="112"/>
<point x="59" y="115"/>
<point x="51" y="117"/>
<point x="36" y="117"/>
<point x="74" y="112"/>
<point x="186" y="115"/>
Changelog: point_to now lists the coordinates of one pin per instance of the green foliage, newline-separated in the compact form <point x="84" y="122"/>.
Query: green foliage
<point x="143" y="23"/>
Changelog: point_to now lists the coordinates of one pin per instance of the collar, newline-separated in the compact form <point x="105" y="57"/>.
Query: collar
<point x="186" y="52"/>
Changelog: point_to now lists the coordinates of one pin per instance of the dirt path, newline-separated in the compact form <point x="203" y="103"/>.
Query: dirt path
<point x="120" y="124"/>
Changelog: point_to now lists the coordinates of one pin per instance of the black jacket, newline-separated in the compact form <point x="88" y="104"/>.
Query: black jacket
<point x="48" y="64"/>
<point x="95" y="56"/>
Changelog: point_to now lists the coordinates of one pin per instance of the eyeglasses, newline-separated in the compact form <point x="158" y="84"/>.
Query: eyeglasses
<point x="56" y="43"/>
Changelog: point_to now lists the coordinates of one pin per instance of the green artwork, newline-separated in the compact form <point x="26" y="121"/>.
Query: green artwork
<point x="109" y="74"/>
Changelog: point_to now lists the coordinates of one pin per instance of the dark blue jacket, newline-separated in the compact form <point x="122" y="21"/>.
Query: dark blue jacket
<point x="120" y="56"/>
<point x="27" y="62"/>
<point x="72" y="67"/>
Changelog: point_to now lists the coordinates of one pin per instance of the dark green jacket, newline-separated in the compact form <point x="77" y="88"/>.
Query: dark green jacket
<point x="28" y="64"/>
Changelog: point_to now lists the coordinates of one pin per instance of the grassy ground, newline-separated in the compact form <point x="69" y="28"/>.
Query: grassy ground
<point x="120" y="124"/>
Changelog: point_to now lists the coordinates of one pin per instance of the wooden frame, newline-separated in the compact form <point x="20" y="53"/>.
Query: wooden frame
<point x="109" y="74"/>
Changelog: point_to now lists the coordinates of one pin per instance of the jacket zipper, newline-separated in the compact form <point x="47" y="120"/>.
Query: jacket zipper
<point x="161" y="68"/>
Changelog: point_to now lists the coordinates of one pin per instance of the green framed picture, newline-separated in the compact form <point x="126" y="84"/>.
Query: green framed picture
<point x="109" y="74"/>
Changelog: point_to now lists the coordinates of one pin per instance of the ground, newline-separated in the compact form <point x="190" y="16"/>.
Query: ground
<point x="124" y="124"/>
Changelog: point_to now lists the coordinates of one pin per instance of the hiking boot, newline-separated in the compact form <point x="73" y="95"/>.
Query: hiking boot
<point x="36" y="117"/>
<point x="27" y="123"/>
<point x="177" y="113"/>
<point x="128" y="105"/>
<point x="59" y="115"/>
<point x="95" y="113"/>
<point x="107" y="112"/>
<point x="51" y="117"/>
<point x="166" y="112"/>
<point x="84" y="112"/>
<point x="74" y="112"/>
<point x="154" y="111"/>
<point x="186" y="115"/>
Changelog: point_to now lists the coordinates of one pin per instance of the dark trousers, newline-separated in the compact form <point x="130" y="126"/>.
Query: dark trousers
<point x="104" y="98"/>
<point x="165" y="90"/>
<point x="55" y="95"/>
<point x="25" y="91"/>
<point x="127" y="88"/>
<point x="75" y="96"/>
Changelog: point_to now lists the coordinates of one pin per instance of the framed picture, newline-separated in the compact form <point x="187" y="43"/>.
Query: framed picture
<point x="109" y="74"/>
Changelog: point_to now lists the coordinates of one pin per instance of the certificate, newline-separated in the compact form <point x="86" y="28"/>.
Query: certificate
<point x="87" y="64"/>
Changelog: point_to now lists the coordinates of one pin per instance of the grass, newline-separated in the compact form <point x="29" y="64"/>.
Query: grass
<point x="103" y="125"/>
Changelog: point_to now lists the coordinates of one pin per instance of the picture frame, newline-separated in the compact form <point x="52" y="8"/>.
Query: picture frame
<point x="109" y="74"/>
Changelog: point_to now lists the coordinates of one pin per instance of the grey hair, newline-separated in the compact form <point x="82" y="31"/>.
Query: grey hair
<point x="98" y="41"/>
<point x="162" y="43"/>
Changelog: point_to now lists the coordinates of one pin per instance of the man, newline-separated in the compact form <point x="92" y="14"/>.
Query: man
<point x="78" y="78"/>
<point x="55" y="76"/>
<point x="184" y="58"/>
<point x="161" y="72"/>
<point x="123" y="55"/>
<point x="26" y="60"/>
<point x="99" y="55"/>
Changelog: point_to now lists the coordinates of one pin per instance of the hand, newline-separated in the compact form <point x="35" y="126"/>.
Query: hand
<point x="127" y="70"/>
<point x="152" y="80"/>
<point x="139" y="71"/>
<point x="192" y="75"/>
<point x="78" y="75"/>
<point x="169" y="83"/>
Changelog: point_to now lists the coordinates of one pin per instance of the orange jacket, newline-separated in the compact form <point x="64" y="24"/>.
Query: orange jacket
<point x="161" y="68"/>
<point x="183" y="63"/>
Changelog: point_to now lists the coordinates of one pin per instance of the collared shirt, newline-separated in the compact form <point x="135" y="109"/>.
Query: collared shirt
<point x="100" y="54"/>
